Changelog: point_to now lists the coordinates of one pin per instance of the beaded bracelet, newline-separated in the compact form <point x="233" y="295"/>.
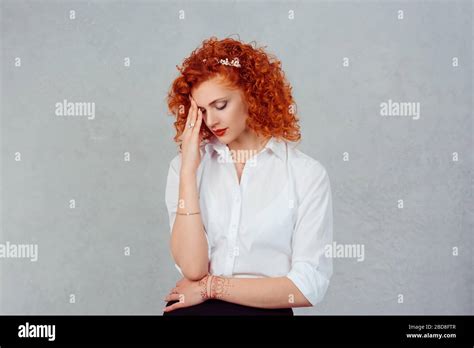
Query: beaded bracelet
<point x="209" y="286"/>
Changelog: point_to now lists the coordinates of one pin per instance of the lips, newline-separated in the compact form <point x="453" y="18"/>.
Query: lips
<point x="220" y="132"/>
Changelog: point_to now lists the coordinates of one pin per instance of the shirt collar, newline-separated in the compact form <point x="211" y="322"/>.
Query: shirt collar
<point x="276" y="146"/>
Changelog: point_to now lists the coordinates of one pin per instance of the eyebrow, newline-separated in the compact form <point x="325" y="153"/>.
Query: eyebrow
<point x="215" y="101"/>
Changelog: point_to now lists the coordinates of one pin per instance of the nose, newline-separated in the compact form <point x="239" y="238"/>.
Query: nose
<point x="210" y="121"/>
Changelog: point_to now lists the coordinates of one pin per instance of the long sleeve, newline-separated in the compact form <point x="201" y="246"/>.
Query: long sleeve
<point x="172" y="196"/>
<point x="311" y="269"/>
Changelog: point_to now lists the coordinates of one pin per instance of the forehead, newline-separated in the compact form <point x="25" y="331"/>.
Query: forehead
<point x="211" y="89"/>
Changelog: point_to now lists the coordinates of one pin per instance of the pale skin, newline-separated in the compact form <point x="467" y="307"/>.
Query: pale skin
<point x="220" y="107"/>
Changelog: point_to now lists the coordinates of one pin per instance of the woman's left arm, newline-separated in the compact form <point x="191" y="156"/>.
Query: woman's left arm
<point x="269" y="292"/>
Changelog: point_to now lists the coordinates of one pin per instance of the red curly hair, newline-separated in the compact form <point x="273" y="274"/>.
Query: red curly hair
<point x="271" y="108"/>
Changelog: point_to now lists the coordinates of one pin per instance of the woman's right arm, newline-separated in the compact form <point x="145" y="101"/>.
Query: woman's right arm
<point x="188" y="241"/>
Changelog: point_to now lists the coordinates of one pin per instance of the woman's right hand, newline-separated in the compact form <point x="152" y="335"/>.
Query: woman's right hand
<point x="191" y="140"/>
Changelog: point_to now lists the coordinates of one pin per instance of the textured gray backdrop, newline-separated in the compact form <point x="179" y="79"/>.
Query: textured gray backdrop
<point x="82" y="267"/>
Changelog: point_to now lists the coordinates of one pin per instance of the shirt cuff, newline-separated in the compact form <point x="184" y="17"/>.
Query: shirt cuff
<point x="311" y="282"/>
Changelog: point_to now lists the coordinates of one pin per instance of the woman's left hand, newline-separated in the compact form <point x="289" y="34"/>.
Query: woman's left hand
<point x="188" y="293"/>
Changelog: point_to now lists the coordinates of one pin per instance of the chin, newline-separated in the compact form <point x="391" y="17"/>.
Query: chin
<point x="226" y="139"/>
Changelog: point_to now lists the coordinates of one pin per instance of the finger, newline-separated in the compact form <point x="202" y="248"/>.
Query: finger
<point x="173" y="307"/>
<point x="193" y="111"/>
<point x="189" y="116"/>
<point x="197" y="126"/>
<point x="172" y="297"/>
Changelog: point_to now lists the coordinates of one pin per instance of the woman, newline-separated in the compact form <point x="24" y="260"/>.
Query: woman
<point x="250" y="215"/>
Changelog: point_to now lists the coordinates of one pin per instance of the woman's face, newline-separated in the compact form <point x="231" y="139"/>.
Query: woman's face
<point x="222" y="108"/>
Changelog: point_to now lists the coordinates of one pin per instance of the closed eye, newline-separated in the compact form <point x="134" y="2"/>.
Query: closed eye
<point x="218" y="108"/>
<point x="222" y="107"/>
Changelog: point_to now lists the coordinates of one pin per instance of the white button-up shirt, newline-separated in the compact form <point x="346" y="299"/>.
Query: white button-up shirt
<point x="277" y="222"/>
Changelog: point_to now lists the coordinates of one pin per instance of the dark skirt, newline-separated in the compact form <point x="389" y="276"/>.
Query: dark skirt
<point x="218" y="307"/>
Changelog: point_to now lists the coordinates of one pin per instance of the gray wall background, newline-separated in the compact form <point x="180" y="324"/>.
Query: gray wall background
<point x="408" y="251"/>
